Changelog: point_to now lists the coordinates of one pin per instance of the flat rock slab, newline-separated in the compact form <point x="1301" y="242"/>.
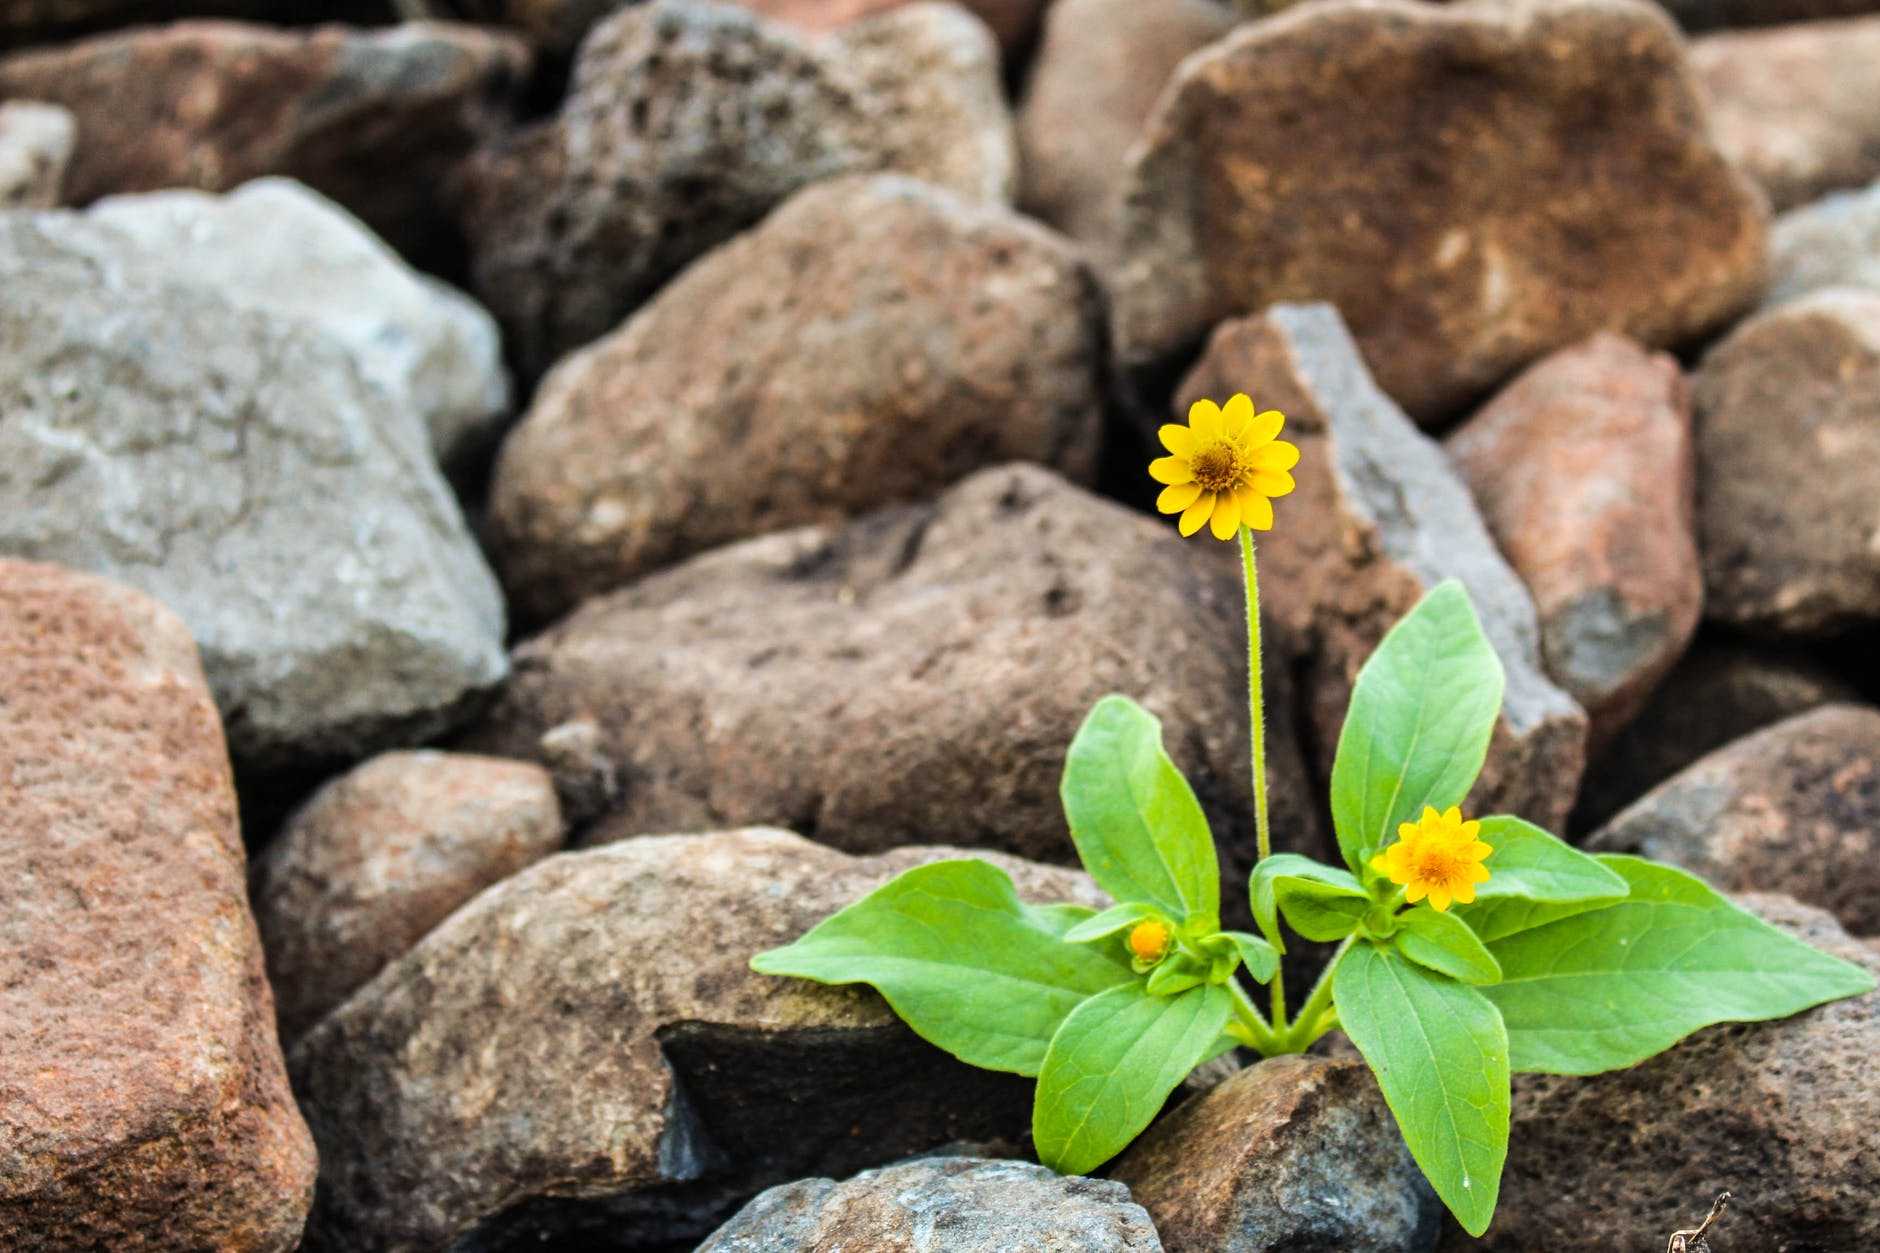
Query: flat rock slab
<point x="583" y="1051"/>
<point x="143" y="1102"/>
<point x="1831" y="242"/>
<point x="36" y="142"/>
<point x="1471" y="184"/>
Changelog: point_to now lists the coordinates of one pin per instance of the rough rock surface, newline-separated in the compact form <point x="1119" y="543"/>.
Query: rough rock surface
<point x="1011" y="21"/>
<point x="277" y="246"/>
<point x="1380" y="518"/>
<point x="381" y="855"/>
<point x="371" y="119"/>
<point x="942" y="1205"/>
<point x="914" y="675"/>
<point x="1788" y="435"/>
<point x="1560" y="181"/>
<point x="36" y="143"/>
<point x="1794" y="106"/>
<point x="1583" y="469"/>
<point x="234" y="465"/>
<point x="1294" y="1153"/>
<point x="584" y="1049"/>
<point x="1793" y="808"/>
<point x="841" y="356"/>
<point x="143" y="1103"/>
<point x="1833" y="242"/>
<point x="685" y="123"/>
<point x="1782" y="1114"/>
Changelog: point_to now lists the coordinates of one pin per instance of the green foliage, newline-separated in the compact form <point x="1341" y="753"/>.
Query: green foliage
<point x="1445" y="944"/>
<point x="1321" y="902"/>
<point x="1537" y="878"/>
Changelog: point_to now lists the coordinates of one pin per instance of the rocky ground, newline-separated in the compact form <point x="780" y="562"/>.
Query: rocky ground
<point x="505" y="515"/>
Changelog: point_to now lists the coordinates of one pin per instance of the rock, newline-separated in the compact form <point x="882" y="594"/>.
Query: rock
<point x="1584" y="472"/>
<point x="1378" y="519"/>
<point x="1012" y="22"/>
<point x="1783" y="1114"/>
<point x="1100" y="67"/>
<point x="704" y="419"/>
<point x="1704" y="15"/>
<point x="371" y="119"/>
<point x="143" y="1101"/>
<point x="687" y="122"/>
<point x="383" y="854"/>
<point x="1294" y="1153"/>
<point x="35" y="146"/>
<point x="1560" y="181"/>
<point x="26" y="22"/>
<point x="234" y="465"/>
<point x="1788" y="433"/>
<point x="583" y="1049"/>
<point x="1794" y="106"/>
<point x="277" y="246"/>
<point x="956" y="1204"/>
<point x="1833" y="242"/>
<point x="971" y="636"/>
<point x="1794" y="808"/>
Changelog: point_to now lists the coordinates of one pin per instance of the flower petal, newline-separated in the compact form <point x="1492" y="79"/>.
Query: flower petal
<point x="1439" y="898"/>
<point x="1171" y="470"/>
<point x="1181" y="441"/>
<point x="1178" y="497"/>
<point x="1265" y="426"/>
<point x="1478" y="873"/>
<point x="1273" y="483"/>
<point x="1226" y="519"/>
<point x="1278" y="455"/>
<point x="1465" y="894"/>
<point x="1415" y="891"/>
<point x="1479" y="850"/>
<point x="1204" y="418"/>
<point x="1453" y="815"/>
<point x="1257" y="512"/>
<point x="1196" y="514"/>
<point x="1237" y="415"/>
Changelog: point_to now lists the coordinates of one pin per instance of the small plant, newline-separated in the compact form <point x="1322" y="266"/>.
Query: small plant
<point x="1468" y="949"/>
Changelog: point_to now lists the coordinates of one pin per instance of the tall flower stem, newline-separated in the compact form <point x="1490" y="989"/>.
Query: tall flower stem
<point x="1256" y="710"/>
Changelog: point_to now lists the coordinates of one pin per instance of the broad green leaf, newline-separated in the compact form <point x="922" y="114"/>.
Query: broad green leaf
<point x="1417" y="730"/>
<point x="1110" y="921"/>
<point x="1135" y="820"/>
<point x="1112" y="1065"/>
<point x="1613" y="986"/>
<point x="1260" y="958"/>
<point x="1441" y="1057"/>
<point x="1173" y="976"/>
<point x="1534" y="878"/>
<point x="970" y="967"/>
<point x="1321" y="902"/>
<point x="1444" y="943"/>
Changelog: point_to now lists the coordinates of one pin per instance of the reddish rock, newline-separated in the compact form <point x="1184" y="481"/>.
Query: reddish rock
<point x="143" y="1103"/>
<point x="1471" y="185"/>
<point x="35" y="147"/>
<point x="1583" y="469"/>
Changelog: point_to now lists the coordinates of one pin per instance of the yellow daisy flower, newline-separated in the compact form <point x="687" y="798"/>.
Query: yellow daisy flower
<point x="1438" y="856"/>
<point x="1225" y="467"/>
<point x="1148" y="941"/>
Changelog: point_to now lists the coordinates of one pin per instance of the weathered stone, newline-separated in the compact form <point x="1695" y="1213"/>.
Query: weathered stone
<point x="234" y="464"/>
<point x="1294" y="1153"/>
<point x="1794" y="106"/>
<point x="1793" y="808"/>
<point x="143" y="1102"/>
<point x="1703" y="15"/>
<point x="956" y="1204"/>
<point x="1788" y="435"/>
<point x="1583" y="469"/>
<point x="1510" y="177"/>
<point x="1833" y="242"/>
<point x="704" y="420"/>
<point x="275" y="245"/>
<point x="371" y="119"/>
<point x="1100" y="67"/>
<point x="35" y="147"/>
<point x="1011" y="21"/>
<point x="584" y="1049"/>
<point x="1380" y="518"/>
<point x="967" y="639"/>
<point x="27" y="22"/>
<point x="383" y="854"/>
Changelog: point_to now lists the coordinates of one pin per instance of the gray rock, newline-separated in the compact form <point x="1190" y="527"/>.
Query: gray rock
<point x="1832" y="242"/>
<point x="942" y="1205"/>
<point x="35" y="145"/>
<point x="236" y="466"/>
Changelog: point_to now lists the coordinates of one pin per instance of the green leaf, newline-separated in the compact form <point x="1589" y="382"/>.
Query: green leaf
<point x="1441" y="1057"/>
<point x="970" y="967"/>
<point x="1112" y="1065"/>
<point x="1136" y="822"/>
<point x="1417" y="730"/>
<point x="1444" y="943"/>
<point x="1613" y="986"/>
<point x="1110" y="921"/>
<point x="1535" y="878"/>
<point x="1260" y="958"/>
<point x="1321" y="902"/>
<point x="1174" y="975"/>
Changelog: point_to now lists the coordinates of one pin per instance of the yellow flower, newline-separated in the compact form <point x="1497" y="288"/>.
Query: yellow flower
<point x="1225" y="467"/>
<point x="1148" y="941"/>
<point x="1439" y="856"/>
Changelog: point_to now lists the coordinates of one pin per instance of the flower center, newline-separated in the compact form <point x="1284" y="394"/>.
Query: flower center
<point x="1216" y="467"/>
<point x="1149" y="940"/>
<point x="1440" y="865"/>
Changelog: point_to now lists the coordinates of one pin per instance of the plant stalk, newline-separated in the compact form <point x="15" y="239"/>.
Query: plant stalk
<point x="1254" y="1031"/>
<point x="1256" y="711"/>
<point x="1306" y="1028"/>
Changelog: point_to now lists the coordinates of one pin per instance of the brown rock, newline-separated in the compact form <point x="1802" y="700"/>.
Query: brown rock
<point x="1011" y="21"/>
<point x="1471" y="184"/>
<point x="1584" y="472"/>
<point x="1380" y="518"/>
<point x="1788" y="435"/>
<point x="914" y="675"/>
<point x="35" y="147"/>
<point x="584" y="1049"/>
<point x="704" y="420"/>
<point x="143" y="1103"/>
<point x="1794" y="106"/>
<point x="1294" y="1153"/>
<point x="381" y="855"/>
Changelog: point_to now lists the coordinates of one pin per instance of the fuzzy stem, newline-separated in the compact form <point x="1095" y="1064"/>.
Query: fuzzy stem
<point x="1306" y="1028"/>
<point x="1254" y="1031"/>
<point x="1256" y="711"/>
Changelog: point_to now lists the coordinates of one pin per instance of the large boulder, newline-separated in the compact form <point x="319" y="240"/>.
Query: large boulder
<point x="841" y="356"/>
<point x="36" y="142"/>
<point x="143" y="1103"/>
<point x="1471" y="184"/>
<point x="1831" y="242"/>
